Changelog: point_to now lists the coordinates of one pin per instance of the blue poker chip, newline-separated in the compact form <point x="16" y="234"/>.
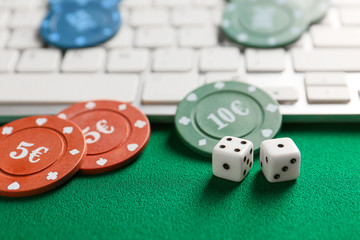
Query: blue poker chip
<point x="107" y="3"/>
<point x="80" y="23"/>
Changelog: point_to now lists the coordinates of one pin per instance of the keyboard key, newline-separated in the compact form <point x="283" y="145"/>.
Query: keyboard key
<point x="4" y="17"/>
<point x="326" y="60"/>
<point x="224" y="76"/>
<point x="216" y="16"/>
<point x="190" y="17"/>
<point x="20" y="4"/>
<point x="197" y="37"/>
<point x="145" y="17"/>
<point x="327" y="19"/>
<point x="208" y="3"/>
<point x="154" y="37"/>
<point x="23" y="38"/>
<point x="123" y="39"/>
<point x="125" y="15"/>
<point x="41" y="3"/>
<point x="284" y="95"/>
<point x="168" y="88"/>
<point x="84" y="60"/>
<point x="67" y="88"/>
<point x="128" y="60"/>
<point x="39" y="60"/>
<point x="173" y="60"/>
<point x="171" y="3"/>
<point x="31" y="18"/>
<point x="327" y="94"/>
<point x="137" y="3"/>
<point x="300" y="43"/>
<point x="350" y="16"/>
<point x="265" y="60"/>
<point x="329" y="37"/>
<point x="8" y="60"/>
<point x="4" y="35"/>
<point x="325" y="79"/>
<point x="219" y="59"/>
<point x="346" y="2"/>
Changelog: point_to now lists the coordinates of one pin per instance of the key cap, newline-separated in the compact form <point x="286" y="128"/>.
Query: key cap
<point x="41" y="3"/>
<point x="328" y="94"/>
<point x="125" y="15"/>
<point x="154" y="37"/>
<point x="219" y="59"/>
<point x="136" y="3"/>
<point x="123" y="39"/>
<point x="197" y="37"/>
<point x="208" y="3"/>
<point x="330" y="37"/>
<point x="20" y="4"/>
<point x="350" y="16"/>
<point x="300" y="43"/>
<point x="190" y="17"/>
<point x="168" y="88"/>
<point x="128" y="60"/>
<point x="23" y="38"/>
<point x="325" y="79"/>
<point x="4" y="17"/>
<point x="171" y="3"/>
<point x="39" y="60"/>
<point x="327" y="20"/>
<point x="326" y="60"/>
<point x="265" y="60"/>
<point x="8" y="60"/>
<point x="284" y="95"/>
<point x="224" y="76"/>
<point x="30" y="18"/>
<point x="4" y="35"/>
<point x="145" y="17"/>
<point x="67" y="88"/>
<point x="345" y="2"/>
<point x="173" y="60"/>
<point x="84" y="60"/>
<point x="216" y="16"/>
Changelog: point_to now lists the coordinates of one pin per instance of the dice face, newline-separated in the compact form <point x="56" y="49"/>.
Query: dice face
<point x="232" y="158"/>
<point x="280" y="160"/>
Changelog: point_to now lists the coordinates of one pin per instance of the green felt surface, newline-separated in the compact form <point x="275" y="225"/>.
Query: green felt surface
<point x="170" y="193"/>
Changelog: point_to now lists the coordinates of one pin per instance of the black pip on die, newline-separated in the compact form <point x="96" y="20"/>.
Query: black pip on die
<point x="280" y="160"/>
<point x="232" y="158"/>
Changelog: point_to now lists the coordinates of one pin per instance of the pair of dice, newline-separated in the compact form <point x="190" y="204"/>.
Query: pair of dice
<point x="232" y="159"/>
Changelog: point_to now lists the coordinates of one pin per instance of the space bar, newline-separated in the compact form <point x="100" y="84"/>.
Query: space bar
<point x="66" y="88"/>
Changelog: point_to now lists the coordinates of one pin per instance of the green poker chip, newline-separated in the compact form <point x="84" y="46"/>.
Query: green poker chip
<point x="270" y="23"/>
<point x="221" y="109"/>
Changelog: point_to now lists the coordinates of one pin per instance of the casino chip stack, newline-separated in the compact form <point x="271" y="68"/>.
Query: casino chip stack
<point x="221" y="109"/>
<point x="40" y="153"/>
<point x="270" y="23"/>
<point x="80" y="23"/>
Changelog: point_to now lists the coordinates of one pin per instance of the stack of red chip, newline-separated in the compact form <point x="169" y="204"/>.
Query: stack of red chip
<point x="39" y="153"/>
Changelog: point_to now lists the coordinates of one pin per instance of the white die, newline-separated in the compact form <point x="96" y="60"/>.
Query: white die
<point x="232" y="158"/>
<point x="280" y="159"/>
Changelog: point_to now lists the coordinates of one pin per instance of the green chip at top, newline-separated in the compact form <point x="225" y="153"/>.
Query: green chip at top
<point x="270" y="23"/>
<point x="221" y="109"/>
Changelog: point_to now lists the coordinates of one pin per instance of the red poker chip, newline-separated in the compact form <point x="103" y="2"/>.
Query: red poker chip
<point x="38" y="154"/>
<point x="115" y="133"/>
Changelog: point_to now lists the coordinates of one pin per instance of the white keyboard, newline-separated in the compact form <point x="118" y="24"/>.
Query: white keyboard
<point x="165" y="49"/>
